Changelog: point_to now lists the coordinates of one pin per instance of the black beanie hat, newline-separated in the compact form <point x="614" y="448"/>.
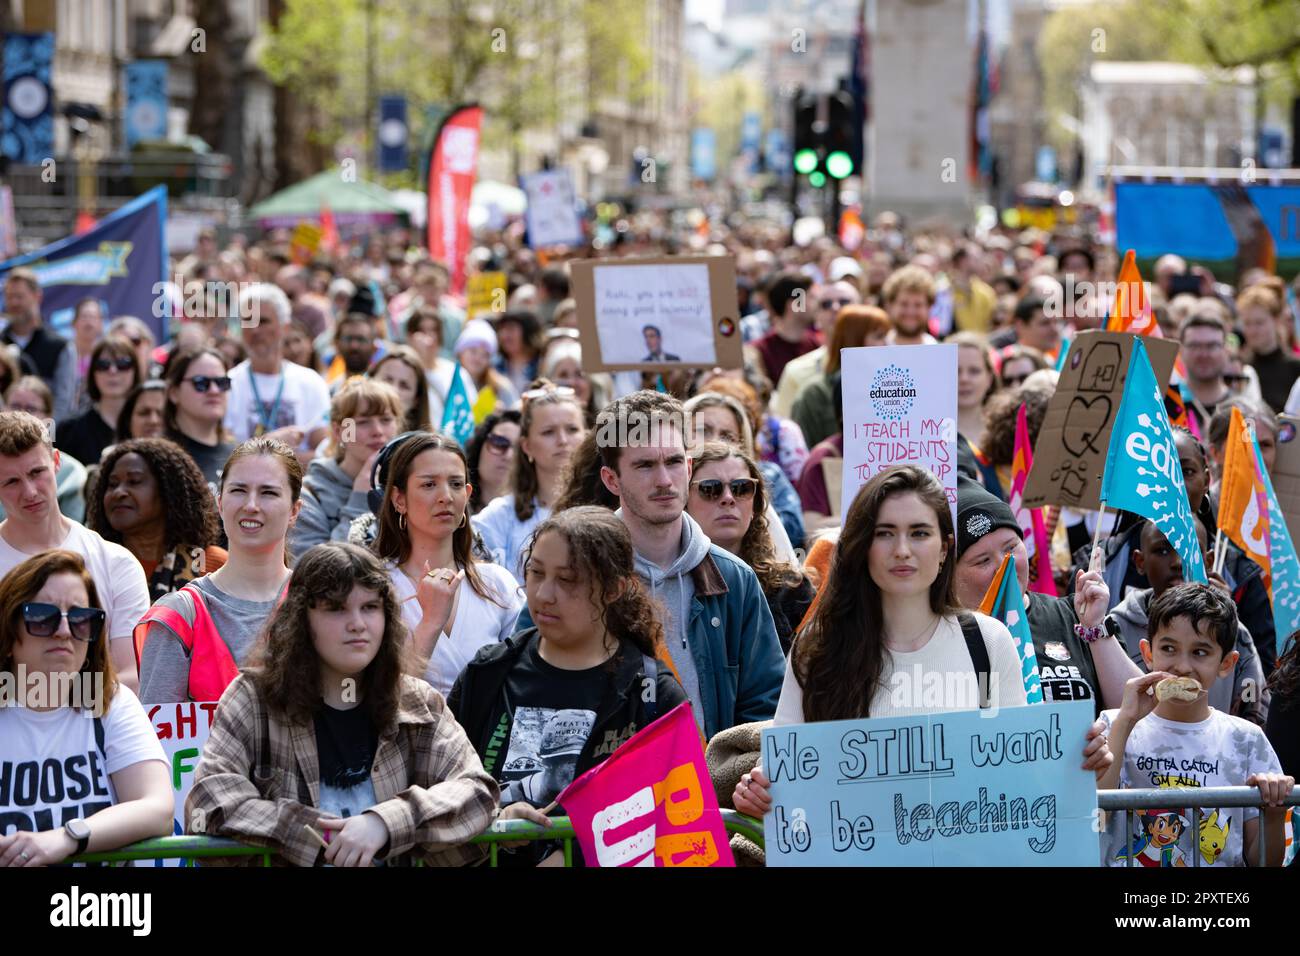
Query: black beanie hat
<point x="980" y="512"/>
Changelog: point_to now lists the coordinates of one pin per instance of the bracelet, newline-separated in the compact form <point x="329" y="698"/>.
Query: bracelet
<point x="1089" y="635"/>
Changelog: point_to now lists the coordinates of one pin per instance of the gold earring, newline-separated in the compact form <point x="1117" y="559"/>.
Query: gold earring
<point x="464" y="517"/>
<point x="401" y="520"/>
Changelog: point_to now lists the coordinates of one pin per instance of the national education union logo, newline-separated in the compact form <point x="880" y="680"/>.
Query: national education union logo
<point x="892" y="393"/>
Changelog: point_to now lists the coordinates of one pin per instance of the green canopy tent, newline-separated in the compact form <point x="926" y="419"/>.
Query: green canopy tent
<point x="355" y="203"/>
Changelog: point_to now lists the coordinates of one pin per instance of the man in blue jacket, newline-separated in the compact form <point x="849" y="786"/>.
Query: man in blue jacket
<point x="717" y="626"/>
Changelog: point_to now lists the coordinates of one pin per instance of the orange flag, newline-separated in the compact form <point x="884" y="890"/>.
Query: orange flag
<point x="1243" y="501"/>
<point x="1131" y="311"/>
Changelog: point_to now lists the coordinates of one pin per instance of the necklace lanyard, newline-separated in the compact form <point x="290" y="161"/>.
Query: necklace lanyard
<point x="266" y="423"/>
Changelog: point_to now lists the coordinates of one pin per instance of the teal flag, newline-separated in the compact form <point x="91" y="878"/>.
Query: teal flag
<point x="458" y="413"/>
<point x="1143" y="474"/>
<point x="1009" y="607"/>
<point x="1286" y="569"/>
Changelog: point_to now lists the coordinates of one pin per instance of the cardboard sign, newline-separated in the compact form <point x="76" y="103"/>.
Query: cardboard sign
<point x="1070" y="454"/>
<point x="552" y="213"/>
<point x="952" y="789"/>
<point x="1286" y="474"/>
<point x="182" y="730"/>
<point x="657" y="314"/>
<point x="485" y="294"/>
<point x="900" y="407"/>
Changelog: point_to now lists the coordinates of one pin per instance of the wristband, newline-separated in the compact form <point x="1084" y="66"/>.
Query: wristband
<point x="1089" y="635"/>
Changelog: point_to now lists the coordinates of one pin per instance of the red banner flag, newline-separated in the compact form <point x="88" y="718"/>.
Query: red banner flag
<point x="453" y="166"/>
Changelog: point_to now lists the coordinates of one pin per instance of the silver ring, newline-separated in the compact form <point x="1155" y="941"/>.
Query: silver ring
<point x="24" y="855"/>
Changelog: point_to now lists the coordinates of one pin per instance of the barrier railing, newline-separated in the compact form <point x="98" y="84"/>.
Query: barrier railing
<point x="1196" y="800"/>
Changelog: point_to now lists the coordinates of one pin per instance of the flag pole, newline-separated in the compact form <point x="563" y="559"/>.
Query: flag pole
<point x="1096" y="534"/>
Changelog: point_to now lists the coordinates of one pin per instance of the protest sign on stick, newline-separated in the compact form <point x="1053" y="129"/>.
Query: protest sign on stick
<point x="1070" y="453"/>
<point x="552" y="213"/>
<point x="182" y="730"/>
<point x="952" y="789"/>
<point x="657" y="314"/>
<point x="900" y="408"/>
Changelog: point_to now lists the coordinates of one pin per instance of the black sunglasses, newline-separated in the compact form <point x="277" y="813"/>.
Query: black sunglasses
<point x="834" y="303"/>
<point x="202" y="383"/>
<point x="499" y="443"/>
<point x="42" y="620"/>
<point x="711" y="488"/>
<point x="121" y="363"/>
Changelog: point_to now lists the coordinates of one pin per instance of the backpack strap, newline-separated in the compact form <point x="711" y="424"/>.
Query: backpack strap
<point x="979" y="655"/>
<point x="650" y="670"/>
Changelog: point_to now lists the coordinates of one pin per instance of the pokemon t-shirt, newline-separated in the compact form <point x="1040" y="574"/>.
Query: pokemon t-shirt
<point x="1220" y="751"/>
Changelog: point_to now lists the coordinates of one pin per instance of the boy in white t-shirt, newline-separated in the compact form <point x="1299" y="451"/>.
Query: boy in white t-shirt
<point x="270" y="395"/>
<point x="34" y="524"/>
<point x="1181" y="743"/>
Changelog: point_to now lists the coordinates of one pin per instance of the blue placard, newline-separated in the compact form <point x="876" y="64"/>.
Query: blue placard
<point x="28" y="110"/>
<point x="970" y="788"/>
<point x="146" y="101"/>
<point x="704" y="164"/>
<point x="394" y="134"/>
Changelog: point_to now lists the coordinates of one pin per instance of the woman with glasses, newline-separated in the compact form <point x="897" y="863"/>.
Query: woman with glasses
<point x="1018" y="363"/>
<point x="142" y="413"/>
<point x="114" y="371"/>
<point x="198" y="392"/>
<point x="77" y="785"/>
<point x="139" y="335"/>
<point x="491" y="453"/>
<point x="551" y="426"/>
<point x="150" y="497"/>
<point x="729" y="502"/>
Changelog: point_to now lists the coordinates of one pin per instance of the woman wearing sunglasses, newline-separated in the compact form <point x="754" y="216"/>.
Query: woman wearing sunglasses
<point x="77" y="784"/>
<point x="114" y="371"/>
<point x="198" y="391"/>
<point x="150" y="497"/>
<point x="327" y="736"/>
<point x="491" y="453"/>
<point x="190" y="643"/>
<point x="552" y="425"/>
<point x="142" y="414"/>
<point x="729" y="502"/>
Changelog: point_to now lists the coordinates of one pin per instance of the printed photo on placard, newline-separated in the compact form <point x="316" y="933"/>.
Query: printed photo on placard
<point x="651" y="314"/>
<point x="543" y="753"/>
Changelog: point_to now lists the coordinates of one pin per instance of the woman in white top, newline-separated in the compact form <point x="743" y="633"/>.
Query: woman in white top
<point x="452" y="603"/>
<point x="886" y="638"/>
<point x="74" y="785"/>
<point x="551" y="427"/>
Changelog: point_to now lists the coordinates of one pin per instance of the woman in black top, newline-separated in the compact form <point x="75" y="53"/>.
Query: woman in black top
<point x="114" y="372"/>
<point x="198" y="391"/>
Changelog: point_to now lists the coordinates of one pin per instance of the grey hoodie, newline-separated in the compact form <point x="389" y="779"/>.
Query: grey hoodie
<point x="328" y="506"/>
<point x="674" y="588"/>
<point x="1245" y="696"/>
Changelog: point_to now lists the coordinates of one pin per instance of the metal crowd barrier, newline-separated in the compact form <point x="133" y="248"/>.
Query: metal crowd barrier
<point x="1184" y="798"/>
<point x="195" y="848"/>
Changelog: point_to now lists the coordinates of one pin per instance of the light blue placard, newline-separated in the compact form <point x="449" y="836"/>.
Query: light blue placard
<point x="957" y="789"/>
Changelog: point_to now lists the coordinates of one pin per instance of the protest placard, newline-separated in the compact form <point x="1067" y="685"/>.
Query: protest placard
<point x="182" y="730"/>
<point x="304" y="241"/>
<point x="552" y="212"/>
<point x="1070" y="453"/>
<point x="1286" y="474"/>
<point x="955" y="789"/>
<point x="657" y="314"/>
<point x="652" y="803"/>
<point x="485" y="293"/>
<point x="900" y="408"/>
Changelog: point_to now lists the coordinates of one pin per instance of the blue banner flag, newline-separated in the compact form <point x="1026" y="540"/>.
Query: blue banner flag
<point x="703" y="154"/>
<point x="122" y="262"/>
<point x="393" y="134"/>
<point x="1008" y="606"/>
<point x="1143" y="474"/>
<point x="1285" y="567"/>
<point x="28" y="112"/>
<point x="146" y="101"/>
<point x="458" y="413"/>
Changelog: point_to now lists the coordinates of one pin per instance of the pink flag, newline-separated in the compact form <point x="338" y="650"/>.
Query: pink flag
<point x="651" y="803"/>
<point x="1030" y="519"/>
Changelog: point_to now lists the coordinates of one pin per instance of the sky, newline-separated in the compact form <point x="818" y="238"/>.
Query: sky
<point x="710" y="11"/>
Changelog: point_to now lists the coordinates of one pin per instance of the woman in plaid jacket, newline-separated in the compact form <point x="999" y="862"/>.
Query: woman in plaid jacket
<point x="325" y="750"/>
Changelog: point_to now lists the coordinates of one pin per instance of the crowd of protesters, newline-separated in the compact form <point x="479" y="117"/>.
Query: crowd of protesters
<point x="409" y="637"/>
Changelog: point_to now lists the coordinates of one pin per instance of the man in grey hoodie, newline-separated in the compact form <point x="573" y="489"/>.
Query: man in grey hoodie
<point x="1245" y="695"/>
<point x="717" y="627"/>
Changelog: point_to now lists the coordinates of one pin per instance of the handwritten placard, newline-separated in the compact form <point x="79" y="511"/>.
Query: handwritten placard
<point x="956" y="789"/>
<point x="1070" y="453"/>
<point x="657" y="314"/>
<point x="900" y="407"/>
<point x="182" y="730"/>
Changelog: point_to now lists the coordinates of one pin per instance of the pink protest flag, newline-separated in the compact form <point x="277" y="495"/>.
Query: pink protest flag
<point x="1030" y="519"/>
<point x="651" y="803"/>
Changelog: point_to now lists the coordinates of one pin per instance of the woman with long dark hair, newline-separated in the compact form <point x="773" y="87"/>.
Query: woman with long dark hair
<point x="519" y="339"/>
<point x="401" y="369"/>
<point x="491" y="452"/>
<point x="887" y="635"/>
<point x="550" y="702"/>
<point x="144" y="411"/>
<point x="452" y="602"/>
<point x="324" y="751"/>
<point x="552" y="424"/>
<point x="114" y="371"/>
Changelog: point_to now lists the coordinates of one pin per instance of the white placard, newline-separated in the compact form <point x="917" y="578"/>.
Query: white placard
<point x="641" y="306"/>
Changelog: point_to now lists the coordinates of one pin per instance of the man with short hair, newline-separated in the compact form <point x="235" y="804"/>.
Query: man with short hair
<point x="973" y="300"/>
<point x="44" y="353"/>
<point x="1204" y="341"/>
<point x="791" y="333"/>
<point x="830" y="300"/>
<point x="354" y="344"/>
<point x="718" y="629"/>
<point x="1035" y="328"/>
<point x="654" y="343"/>
<point x="33" y="524"/>
<point x="268" y="394"/>
<point x="908" y="295"/>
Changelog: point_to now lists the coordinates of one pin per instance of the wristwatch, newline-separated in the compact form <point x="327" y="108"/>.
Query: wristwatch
<point x="79" y="830"/>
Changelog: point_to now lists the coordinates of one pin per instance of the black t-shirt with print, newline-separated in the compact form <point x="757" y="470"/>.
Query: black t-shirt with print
<point x="345" y="743"/>
<point x="551" y="713"/>
<point x="1065" y="666"/>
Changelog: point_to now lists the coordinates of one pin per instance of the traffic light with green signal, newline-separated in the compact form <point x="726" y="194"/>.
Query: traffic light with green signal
<point x="823" y="137"/>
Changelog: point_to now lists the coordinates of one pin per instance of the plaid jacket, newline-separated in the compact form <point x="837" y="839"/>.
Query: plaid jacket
<point x="259" y="781"/>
